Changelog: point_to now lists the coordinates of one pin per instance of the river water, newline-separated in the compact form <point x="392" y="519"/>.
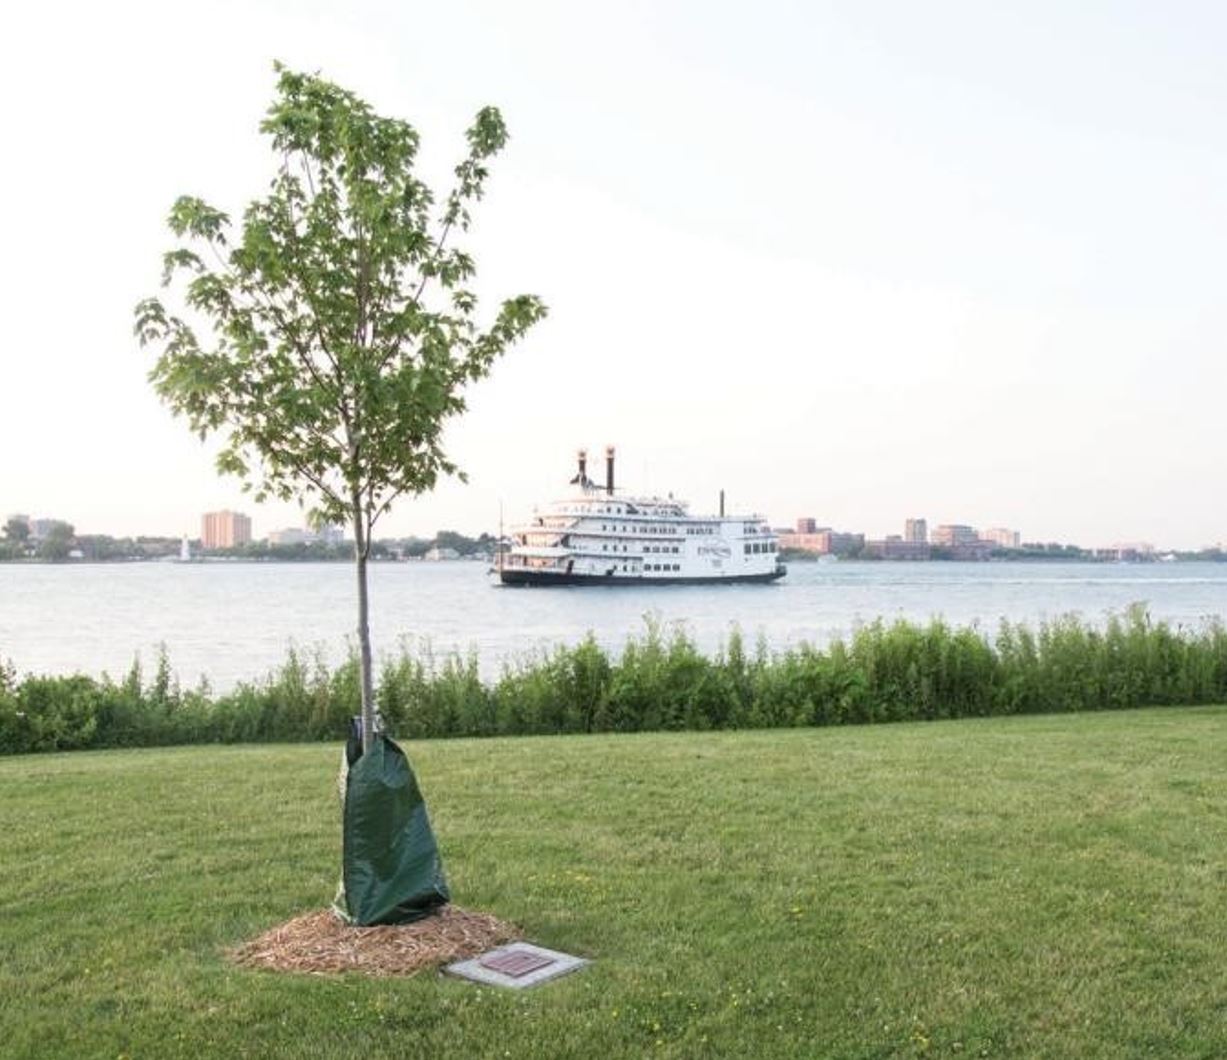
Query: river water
<point x="232" y="621"/>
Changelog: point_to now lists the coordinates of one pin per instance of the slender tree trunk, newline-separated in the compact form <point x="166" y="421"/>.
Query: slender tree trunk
<point x="364" y="631"/>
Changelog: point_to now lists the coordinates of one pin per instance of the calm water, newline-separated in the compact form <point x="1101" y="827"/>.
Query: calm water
<point x="235" y="621"/>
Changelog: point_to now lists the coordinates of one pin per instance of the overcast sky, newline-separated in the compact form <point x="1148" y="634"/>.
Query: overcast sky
<point x="858" y="261"/>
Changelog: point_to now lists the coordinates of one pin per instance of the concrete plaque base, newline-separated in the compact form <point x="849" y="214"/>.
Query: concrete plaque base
<point x="517" y="966"/>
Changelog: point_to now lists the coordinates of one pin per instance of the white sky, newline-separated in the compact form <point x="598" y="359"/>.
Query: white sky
<point x="858" y="261"/>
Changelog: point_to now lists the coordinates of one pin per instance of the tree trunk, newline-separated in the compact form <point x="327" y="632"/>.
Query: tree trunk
<point x="364" y="633"/>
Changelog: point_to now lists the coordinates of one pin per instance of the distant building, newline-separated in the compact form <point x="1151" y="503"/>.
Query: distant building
<point x="1128" y="551"/>
<point x="437" y="553"/>
<point x="840" y="544"/>
<point x="954" y="535"/>
<point x="807" y="525"/>
<point x="224" y="529"/>
<point x="1000" y="537"/>
<point x="294" y="535"/>
<point x="895" y="547"/>
<point x="823" y="541"/>
<point x="916" y="531"/>
<point x="805" y="541"/>
<point x="977" y="550"/>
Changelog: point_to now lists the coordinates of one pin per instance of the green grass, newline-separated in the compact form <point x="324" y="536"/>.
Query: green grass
<point x="1049" y="886"/>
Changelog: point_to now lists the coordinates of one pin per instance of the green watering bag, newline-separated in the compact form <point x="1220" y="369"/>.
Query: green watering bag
<point x="391" y="872"/>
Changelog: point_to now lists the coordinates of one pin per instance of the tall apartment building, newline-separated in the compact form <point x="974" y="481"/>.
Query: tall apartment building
<point x="916" y="531"/>
<point x="224" y="529"/>
<point x="807" y="524"/>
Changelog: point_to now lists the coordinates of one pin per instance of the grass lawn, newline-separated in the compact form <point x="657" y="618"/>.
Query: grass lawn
<point x="1042" y="886"/>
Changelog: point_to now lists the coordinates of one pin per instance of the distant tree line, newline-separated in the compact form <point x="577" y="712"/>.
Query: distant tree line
<point x="383" y="549"/>
<point x="56" y="543"/>
<point x="660" y="680"/>
<point x="61" y="543"/>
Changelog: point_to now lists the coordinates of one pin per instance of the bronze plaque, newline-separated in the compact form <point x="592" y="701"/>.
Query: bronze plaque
<point x="516" y="963"/>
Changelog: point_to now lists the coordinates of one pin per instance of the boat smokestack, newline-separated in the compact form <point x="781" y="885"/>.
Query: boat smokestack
<point x="609" y="469"/>
<point x="582" y="457"/>
<point x="722" y="504"/>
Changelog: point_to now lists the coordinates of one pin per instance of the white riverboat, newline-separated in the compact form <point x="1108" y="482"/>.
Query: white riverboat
<point x="601" y="536"/>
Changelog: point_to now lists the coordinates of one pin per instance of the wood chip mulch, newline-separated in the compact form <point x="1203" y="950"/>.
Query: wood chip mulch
<point x="320" y="943"/>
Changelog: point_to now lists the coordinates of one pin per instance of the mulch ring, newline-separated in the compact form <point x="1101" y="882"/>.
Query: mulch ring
<point x="320" y="943"/>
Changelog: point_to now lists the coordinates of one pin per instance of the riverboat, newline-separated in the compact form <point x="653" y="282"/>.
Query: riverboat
<point x="598" y="535"/>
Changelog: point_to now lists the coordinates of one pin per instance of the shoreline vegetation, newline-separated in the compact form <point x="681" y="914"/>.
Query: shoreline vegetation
<point x="660" y="681"/>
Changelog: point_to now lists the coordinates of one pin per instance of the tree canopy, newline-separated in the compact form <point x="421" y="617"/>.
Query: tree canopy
<point x="343" y="327"/>
<point x="328" y="340"/>
<point x="16" y="530"/>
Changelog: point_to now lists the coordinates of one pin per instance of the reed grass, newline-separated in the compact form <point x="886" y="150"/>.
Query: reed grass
<point x="660" y="680"/>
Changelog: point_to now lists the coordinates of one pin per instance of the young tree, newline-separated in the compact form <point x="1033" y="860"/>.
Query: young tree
<point x="341" y="326"/>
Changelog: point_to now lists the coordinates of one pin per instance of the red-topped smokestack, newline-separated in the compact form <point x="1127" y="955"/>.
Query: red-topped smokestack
<point x="609" y="474"/>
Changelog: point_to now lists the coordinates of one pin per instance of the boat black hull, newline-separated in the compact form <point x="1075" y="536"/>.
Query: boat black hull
<point x="536" y="577"/>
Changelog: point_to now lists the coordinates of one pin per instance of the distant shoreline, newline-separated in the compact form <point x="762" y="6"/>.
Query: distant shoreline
<point x="805" y="558"/>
